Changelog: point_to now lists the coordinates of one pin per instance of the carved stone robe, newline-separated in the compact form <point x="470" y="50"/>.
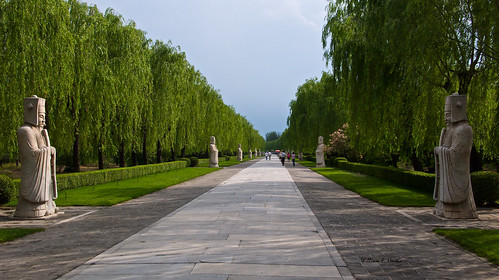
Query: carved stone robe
<point x="36" y="191"/>
<point x="213" y="155"/>
<point x="319" y="156"/>
<point x="453" y="191"/>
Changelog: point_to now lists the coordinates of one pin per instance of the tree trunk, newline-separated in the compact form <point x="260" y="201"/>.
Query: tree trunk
<point x="158" y="152"/>
<point x="101" y="158"/>
<point x="182" y="153"/>
<point x="134" y="158"/>
<point x="174" y="158"/>
<point x="122" y="154"/>
<point x="476" y="163"/>
<point x="416" y="163"/>
<point x="76" y="152"/>
<point x="394" y="160"/>
<point x="144" y="148"/>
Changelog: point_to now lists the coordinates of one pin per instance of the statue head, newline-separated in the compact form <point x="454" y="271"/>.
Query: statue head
<point x="34" y="111"/>
<point x="212" y="140"/>
<point x="455" y="108"/>
<point x="321" y="140"/>
<point x="239" y="146"/>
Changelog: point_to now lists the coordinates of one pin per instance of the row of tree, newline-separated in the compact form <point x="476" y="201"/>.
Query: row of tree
<point x="111" y="92"/>
<point x="393" y="63"/>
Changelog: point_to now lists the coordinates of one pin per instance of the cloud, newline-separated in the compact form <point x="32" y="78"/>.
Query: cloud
<point x="296" y="10"/>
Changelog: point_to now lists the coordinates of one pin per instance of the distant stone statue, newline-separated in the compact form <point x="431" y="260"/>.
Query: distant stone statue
<point x="319" y="153"/>
<point x="453" y="191"/>
<point x="38" y="187"/>
<point x="250" y="155"/>
<point x="239" y="153"/>
<point x="256" y="153"/>
<point x="300" y="155"/>
<point x="213" y="153"/>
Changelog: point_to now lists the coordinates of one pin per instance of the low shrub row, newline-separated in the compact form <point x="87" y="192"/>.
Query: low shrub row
<point x="76" y="180"/>
<point x="485" y="183"/>
<point x="7" y="189"/>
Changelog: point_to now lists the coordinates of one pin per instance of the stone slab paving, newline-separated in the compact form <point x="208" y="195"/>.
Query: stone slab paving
<point x="82" y="233"/>
<point x="378" y="242"/>
<point x="255" y="225"/>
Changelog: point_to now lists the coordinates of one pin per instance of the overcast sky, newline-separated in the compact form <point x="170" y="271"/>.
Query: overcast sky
<point x="255" y="52"/>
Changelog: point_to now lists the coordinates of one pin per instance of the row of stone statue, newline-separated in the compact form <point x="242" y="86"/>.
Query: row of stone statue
<point x="453" y="191"/>
<point x="214" y="153"/>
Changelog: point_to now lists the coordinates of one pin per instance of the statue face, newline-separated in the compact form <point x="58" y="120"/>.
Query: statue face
<point x="41" y="119"/>
<point x="447" y="117"/>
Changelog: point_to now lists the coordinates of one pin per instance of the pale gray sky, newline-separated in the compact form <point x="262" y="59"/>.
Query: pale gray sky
<point x="256" y="52"/>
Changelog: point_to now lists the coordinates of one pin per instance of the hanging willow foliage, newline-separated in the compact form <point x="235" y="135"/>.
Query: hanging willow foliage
<point x="109" y="91"/>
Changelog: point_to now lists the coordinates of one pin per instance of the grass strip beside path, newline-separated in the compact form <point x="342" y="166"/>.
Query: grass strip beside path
<point x="381" y="191"/>
<point x="483" y="242"/>
<point x="120" y="191"/>
<point x="9" y="234"/>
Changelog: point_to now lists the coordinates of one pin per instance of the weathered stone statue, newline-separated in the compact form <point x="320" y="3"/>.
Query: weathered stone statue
<point x="213" y="153"/>
<point x="239" y="153"/>
<point x="453" y="191"/>
<point x="256" y="153"/>
<point x="300" y="155"/>
<point x="250" y="155"/>
<point x="38" y="187"/>
<point x="319" y="153"/>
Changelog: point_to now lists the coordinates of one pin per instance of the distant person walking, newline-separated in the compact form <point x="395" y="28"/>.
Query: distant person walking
<point x="283" y="157"/>
<point x="266" y="155"/>
<point x="289" y="156"/>
<point x="293" y="157"/>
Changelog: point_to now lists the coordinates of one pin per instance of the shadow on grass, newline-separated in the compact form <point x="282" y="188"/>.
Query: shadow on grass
<point x="381" y="191"/>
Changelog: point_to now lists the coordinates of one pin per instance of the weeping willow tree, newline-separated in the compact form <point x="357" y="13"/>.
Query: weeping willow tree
<point x="37" y="57"/>
<point x="316" y="111"/>
<point x="395" y="62"/>
<point x="109" y="91"/>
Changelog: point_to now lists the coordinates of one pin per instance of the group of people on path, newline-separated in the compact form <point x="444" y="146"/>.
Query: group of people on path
<point x="282" y="157"/>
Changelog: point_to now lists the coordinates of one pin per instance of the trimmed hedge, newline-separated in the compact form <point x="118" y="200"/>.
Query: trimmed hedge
<point x="7" y="189"/>
<point x="76" y="180"/>
<point x="194" y="161"/>
<point x="485" y="187"/>
<point x="485" y="184"/>
<point x="188" y="160"/>
<point x="204" y="161"/>
<point x="415" y="179"/>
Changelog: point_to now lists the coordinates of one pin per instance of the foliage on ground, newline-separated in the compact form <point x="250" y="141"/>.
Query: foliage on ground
<point x="9" y="234"/>
<point x="483" y="242"/>
<point x="120" y="191"/>
<point x="381" y="191"/>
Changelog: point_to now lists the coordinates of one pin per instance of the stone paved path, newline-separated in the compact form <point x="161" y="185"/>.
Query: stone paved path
<point x="255" y="225"/>
<point x="82" y="233"/>
<point x="375" y="242"/>
<point x="378" y="242"/>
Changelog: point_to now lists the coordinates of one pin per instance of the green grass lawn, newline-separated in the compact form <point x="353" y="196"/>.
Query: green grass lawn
<point x="482" y="242"/>
<point x="381" y="191"/>
<point x="116" y="192"/>
<point x="9" y="234"/>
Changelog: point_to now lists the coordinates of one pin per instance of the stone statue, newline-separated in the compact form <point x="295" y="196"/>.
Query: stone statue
<point x="319" y="153"/>
<point x="239" y="153"/>
<point x="300" y="155"/>
<point x="453" y="191"/>
<point x="213" y="153"/>
<point x="38" y="188"/>
<point x="250" y="155"/>
<point x="256" y="153"/>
